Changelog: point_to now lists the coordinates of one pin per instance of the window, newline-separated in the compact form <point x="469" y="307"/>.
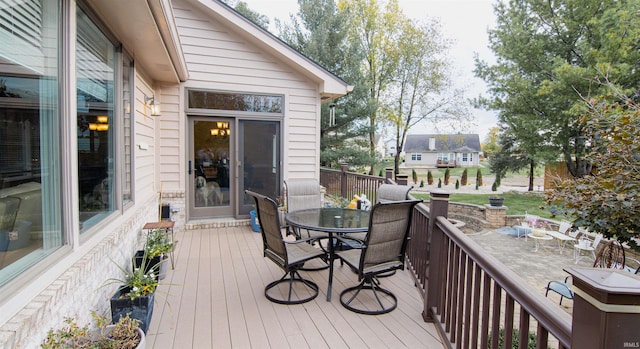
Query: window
<point x="416" y="157"/>
<point x="95" y="74"/>
<point x="30" y="171"/>
<point x="234" y="101"/>
<point x="465" y="157"/>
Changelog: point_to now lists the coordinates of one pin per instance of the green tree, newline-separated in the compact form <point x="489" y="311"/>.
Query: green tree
<point x="478" y="178"/>
<point x="608" y="200"/>
<point x="447" y="175"/>
<point x="490" y="145"/>
<point x="463" y="179"/>
<point x="429" y="177"/>
<point x="320" y="31"/>
<point x="548" y="54"/>
<point x="252" y="15"/>
<point x="414" y="176"/>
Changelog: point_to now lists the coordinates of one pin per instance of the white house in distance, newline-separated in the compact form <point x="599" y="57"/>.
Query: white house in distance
<point x="87" y="158"/>
<point x="442" y="150"/>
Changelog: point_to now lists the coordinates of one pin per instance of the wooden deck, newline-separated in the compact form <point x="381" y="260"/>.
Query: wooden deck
<point x="214" y="299"/>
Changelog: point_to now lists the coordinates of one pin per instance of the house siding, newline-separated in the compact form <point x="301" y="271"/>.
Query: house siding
<point x="219" y="59"/>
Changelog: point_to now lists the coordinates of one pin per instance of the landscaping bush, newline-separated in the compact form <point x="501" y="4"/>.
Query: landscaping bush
<point x="478" y="178"/>
<point x="429" y="177"/>
<point x="447" y="174"/>
<point x="414" y="175"/>
<point x="463" y="180"/>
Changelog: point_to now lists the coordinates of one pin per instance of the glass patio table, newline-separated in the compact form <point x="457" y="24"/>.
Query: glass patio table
<point x="331" y="220"/>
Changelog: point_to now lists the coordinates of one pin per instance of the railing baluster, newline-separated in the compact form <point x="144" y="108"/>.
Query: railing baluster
<point x="542" y="337"/>
<point x="486" y="303"/>
<point x="460" y="297"/>
<point x="523" y="327"/>
<point x="475" y="305"/>
<point x="508" y="321"/>
<point x="495" y="322"/>
<point x="468" y="297"/>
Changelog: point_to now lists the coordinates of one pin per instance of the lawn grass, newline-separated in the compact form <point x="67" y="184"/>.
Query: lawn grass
<point x="517" y="203"/>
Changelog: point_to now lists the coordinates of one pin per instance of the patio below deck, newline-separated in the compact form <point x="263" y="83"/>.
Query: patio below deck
<point x="215" y="299"/>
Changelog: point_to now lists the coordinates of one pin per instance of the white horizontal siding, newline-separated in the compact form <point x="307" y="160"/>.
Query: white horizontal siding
<point x="219" y="59"/>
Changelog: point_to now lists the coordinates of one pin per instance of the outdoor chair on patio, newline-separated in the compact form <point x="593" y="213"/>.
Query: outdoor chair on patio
<point x="288" y="255"/>
<point x="303" y="194"/>
<point x="393" y="192"/>
<point x="610" y="256"/>
<point x="382" y="251"/>
<point x="586" y="245"/>
<point x="561" y="288"/>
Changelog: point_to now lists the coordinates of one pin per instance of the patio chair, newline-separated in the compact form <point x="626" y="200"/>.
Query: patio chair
<point x="393" y="192"/>
<point x="303" y="194"/>
<point x="288" y="255"/>
<point x="631" y="265"/>
<point x="561" y="288"/>
<point x="610" y="256"/>
<point x="590" y="246"/>
<point x="383" y="251"/>
<point x="386" y="192"/>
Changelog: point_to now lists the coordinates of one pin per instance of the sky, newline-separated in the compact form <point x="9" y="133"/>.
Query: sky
<point x="465" y="22"/>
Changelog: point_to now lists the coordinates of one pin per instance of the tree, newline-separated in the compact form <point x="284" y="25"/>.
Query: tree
<point x="429" y="177"/>
<point x="320" y="31"/>
<point x="447" y="175"/>
<point x="491" y="145"/>
<point x="463" y="179"/>
<point x="548" y="54"/>
<point x="252" y="15"/>
<point x="478" y="178"/>
<point x="608" y="199"/>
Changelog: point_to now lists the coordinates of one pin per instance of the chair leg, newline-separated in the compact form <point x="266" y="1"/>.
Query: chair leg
<point x="291" y="277"/>
<point x="375" y="292"/>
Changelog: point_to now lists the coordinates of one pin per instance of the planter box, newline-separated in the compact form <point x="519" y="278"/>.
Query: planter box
<point x="153" y="263"/>
<point x="496" y="202"/>
<point x="140" y="308"/>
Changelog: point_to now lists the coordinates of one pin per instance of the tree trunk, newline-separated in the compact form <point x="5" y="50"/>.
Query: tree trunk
<point x="532" y="167"/>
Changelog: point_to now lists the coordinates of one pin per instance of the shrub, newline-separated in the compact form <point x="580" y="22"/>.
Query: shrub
<point x="463" y="180"/>
<point x="478" y="178"/>
<point x="494" y="186"/>
<point x="422" y="183"/>
<point x="457" y="184"/>
<point x="414" y="175"/>
<point x="447" y="175"/>
<point x="439" y="182"/>
<point x="429" y="177"/>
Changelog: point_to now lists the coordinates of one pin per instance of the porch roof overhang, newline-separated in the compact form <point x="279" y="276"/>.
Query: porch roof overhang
<point x="330" y="85"/>
<point x="147" y="29"/>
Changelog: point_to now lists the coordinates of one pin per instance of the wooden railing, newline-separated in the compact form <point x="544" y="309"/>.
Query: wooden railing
<point x="473" y="298"/>
<point x="347" y="184"/>
<point x="475" y="301"/>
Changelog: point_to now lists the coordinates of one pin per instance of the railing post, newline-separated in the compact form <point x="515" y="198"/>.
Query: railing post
<point x="606" y="308"/>
<point x="388" y="174"/>
<point x="438" y="207"/>
<point x="402" y="179"/>
<point x="343" y="180"/>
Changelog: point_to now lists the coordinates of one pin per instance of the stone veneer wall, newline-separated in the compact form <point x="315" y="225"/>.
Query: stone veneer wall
<point x="479" y="217"/>
<point x="81" y="288"/>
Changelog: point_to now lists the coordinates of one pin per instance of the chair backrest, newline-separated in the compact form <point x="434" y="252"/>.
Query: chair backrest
<point x="393" y="192"/>
<point x="564" y="227"/>
<point x="268" y="216"/>
<point x="597" y="240"/>
<point x="303" y="194"/>
<point x="610" y="256"/>
<point x="386" y="240"/>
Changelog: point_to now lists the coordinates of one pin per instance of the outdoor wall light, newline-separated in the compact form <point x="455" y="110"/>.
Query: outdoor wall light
<point x="153" y="105"/>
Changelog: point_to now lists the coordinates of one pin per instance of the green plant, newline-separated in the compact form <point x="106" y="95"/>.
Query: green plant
<point x="479" y="178"/>
<point x="447" y="175"/>
<point x="463" y="179"/>
<point x="439" y="182"/>
<point x="124" y="334"/>
<point x="422" y="183"/>
<point x="515" y="342"/>
<point x="136" y="282"/>
<point x="429" y="177"/>
<point x="414" y="176"/>
<point x="494" y="186"/>
<point x="158" y="243"/>
<point x="457" y="184"/>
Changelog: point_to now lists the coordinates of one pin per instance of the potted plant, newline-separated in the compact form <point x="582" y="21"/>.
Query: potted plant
<point x="156" y="250"/>
<point x="123" y="334"/>
<point x="136" y="293"/>
<point x="496" y="201"/>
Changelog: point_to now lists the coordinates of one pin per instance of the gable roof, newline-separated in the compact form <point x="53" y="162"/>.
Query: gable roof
<point x="330" y="85"/>
<point x="457" y="143"/>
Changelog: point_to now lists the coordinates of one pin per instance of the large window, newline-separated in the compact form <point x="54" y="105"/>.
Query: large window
<point x="416" y="156"/>
<point x="30" y="204"/>
<point x="95" y="71"/>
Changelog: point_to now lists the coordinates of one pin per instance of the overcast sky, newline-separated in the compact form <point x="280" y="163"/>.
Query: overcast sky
<point x="464" y="21"/>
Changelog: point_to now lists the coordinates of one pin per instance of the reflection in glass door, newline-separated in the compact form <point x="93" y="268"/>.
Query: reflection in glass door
<point x="210" y="168"/>
<point x="259" y="155"/>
